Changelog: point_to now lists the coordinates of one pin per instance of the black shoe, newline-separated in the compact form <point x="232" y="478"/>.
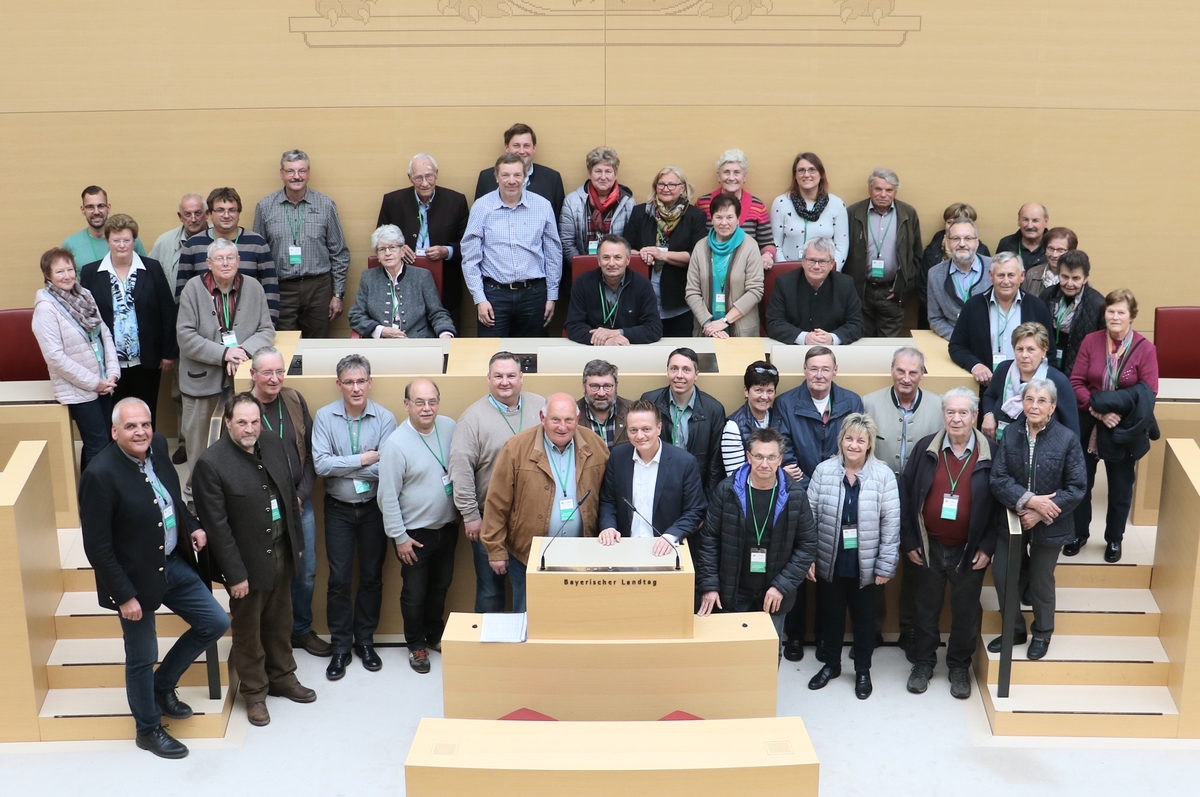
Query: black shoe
<point x="1072" y="548"/>
<point x="794" y="650"/>
<point x="997" y="643"/>
<point x="180" y="456"/>
<point x="824" y="676"/>
<point x="171" y="706"/>
<point x="862" y="684"/>
<point x="819" y="653"/>
<point x="1037" y="648"/>
<point x="337" y="665"/>
<point x="161" y="743"/>
<point x="918" y="679"/>
<point x="960" y="683"/>
<point x="1112" y="552"/>
<point x="370" y="659"/>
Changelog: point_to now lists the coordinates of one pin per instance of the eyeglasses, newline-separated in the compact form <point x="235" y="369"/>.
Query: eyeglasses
<point x="94" y="208"/>
<point x="807" y="170"/>
<point x="354" y="382"/>
<point x="1058" y="250"/>
<point x="769" y="459"/>
<point x="964" y="239"/>
<point x="815" y="262"/>
<point x="669" y="186"/>
<point x="1040" y="401"/>
<point x="225" y="211"/>
<point x="601" y="388"/>
<point x="819" y="371"/>
<point x="295" y="172"/>
<point x="387" y="249"/>
<point x="120" y="241"/>
<point x="279" y="374"/>
<point x="758" y="369"/>
<point x="421" y="403"/>
<point x="223" y="261"/>
<point x="423" y="178"/>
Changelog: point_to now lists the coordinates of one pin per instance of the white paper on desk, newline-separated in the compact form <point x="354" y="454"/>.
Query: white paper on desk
<point x="504" y="627"/>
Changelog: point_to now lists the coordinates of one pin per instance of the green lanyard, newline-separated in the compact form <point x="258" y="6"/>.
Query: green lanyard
<point x="964" y="295"/>
<point x="1060" y="314"/>
<point x="354" y="431"/>
<point x="267" y="420"/>
<point x="759" y="531"/>
<point x="504" y="415"/>
<point x="562" y="478"/>
<point x="954" y="479"/>
<point x="225" y="310"/>
<point x="395" y="304"/>
<point x="440" y="455"/>
<point x="97" y="344"/>
<point x="1000" y="330"/>
<point x="876" y="241"/>
<point x="605" y="313"/>
<point x="296" y="224"/>
<point x="676" y="421"/>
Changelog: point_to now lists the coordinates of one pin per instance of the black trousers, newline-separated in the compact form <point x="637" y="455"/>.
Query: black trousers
<point x="837" y="596"/>
<point x="795" y="623"/>
<point x="940" y="569"/>
<point x="140" y="381"/>
<point x="423" y="593"/>
<point x="681" y="326"/>
<point x="1121" y="475"/>
<point x="347" y="527"/>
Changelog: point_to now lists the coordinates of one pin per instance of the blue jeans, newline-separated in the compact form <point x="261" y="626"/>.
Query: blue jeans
<point x="489" y="587"/>
<point x="187" y="596"/>
<point x="94" y="420"/>
<point x="516" y="576"/>
<point x="306" y="573"/>
<point x="519" y="314"/>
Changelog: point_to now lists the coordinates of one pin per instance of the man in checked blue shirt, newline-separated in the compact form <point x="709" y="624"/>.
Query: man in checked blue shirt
<point x="512" y="256"/>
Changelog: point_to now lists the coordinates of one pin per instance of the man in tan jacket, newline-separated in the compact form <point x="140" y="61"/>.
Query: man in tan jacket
<point x="542" y="485"/>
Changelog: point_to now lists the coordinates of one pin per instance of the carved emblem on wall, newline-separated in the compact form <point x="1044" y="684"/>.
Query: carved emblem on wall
<point x="602" y="23"/>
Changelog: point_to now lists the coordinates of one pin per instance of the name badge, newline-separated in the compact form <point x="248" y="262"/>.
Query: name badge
<point x="361" y="486"/>
<point x="849" y="537"/>
<point x="593" y="247"/>
<point x="293" y="255"/>
<point x="566" y="508"/>
<point x="662" y="249"/>
<point x="758" y="560"/>
<point x="1000" y="427"/>
<point x="169" y="519"/>
<point x="1058" y="354"/>
<point x="949" y="507"/>
<point x="447" y="485"/>
<point x="229" y="339"/>
<point x="877" y="269"/>
<point x="420" y="253"/>
<point x="719" y="303"/>
<point x="997" y="358"/>
<point x="274" y="509"/>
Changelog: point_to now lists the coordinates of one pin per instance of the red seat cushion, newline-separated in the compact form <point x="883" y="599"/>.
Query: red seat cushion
<point x="20" y="358"/>
<point x="769" y="285"/>
<point x="1176" y="330"/>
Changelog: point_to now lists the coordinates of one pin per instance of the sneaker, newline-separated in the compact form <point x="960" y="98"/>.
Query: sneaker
<point x="960" y="683"/>
<point x="435" y="646"/>
<point x="419" y="660"/>
<point x="918" y="680"/>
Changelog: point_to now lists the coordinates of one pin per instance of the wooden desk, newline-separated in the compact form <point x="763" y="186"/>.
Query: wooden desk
<point x="770" y="756"/>
<point x="1177" y="410"/>
<point x="731" y="666"/>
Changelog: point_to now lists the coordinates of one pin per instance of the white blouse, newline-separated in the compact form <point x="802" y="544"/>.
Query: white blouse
<point x="792" y="233"/>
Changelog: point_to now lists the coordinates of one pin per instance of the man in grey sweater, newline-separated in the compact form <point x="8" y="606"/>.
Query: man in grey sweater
<point x="482" y="431"/>
<point x="952" y="282"/>
<point x="417" y="501"/>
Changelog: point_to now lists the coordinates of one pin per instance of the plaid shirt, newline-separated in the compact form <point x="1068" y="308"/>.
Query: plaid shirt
<point x="511" y="244"/>
<point x="321" y="241"/>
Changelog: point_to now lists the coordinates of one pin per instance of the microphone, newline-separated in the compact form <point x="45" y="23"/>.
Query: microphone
<point x="565" y="521"/>
<point x="657" y="533"/>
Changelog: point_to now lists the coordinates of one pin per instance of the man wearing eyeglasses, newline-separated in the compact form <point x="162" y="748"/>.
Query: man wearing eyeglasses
<point x="601" y="409"/>
<point x="285" y="415"/>
<point x="759" y="537"/>
<point x="192" y="221"/>
<point x="815" y="305"/>
<point x="254" y="255"/>
<point x="88" y="245"/>
<point x="416" y="497"/>
<point x="347" y="437"/>
<point x="952" y="282"/>
<point x="433" y="219"/>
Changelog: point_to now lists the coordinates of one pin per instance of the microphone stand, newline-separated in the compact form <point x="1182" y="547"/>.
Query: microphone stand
<point x="657" y="533"/>
<point x="561" y="525"/>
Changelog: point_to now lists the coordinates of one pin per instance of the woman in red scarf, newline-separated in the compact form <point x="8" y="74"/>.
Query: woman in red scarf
<point x="599" y="207"/>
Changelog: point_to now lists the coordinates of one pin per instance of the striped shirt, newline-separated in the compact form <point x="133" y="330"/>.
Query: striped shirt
<point x="255" y="260"/>
<point x="511" y="244"/>
<point x="314" y="226"/>
<point x="755" y="220"/>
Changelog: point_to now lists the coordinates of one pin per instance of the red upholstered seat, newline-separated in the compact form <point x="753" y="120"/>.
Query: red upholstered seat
<point x="583" y="263"/>
<point x="434" y="267"/>
<point x="769" y="285"/>
<point x="20" y="358"/>
<point x="528" y="714"/>
<point x="1176" y="330"/>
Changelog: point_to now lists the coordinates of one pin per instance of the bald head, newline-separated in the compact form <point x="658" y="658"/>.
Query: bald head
<point x="558" y="419"/>
<point x="421" y="401"/>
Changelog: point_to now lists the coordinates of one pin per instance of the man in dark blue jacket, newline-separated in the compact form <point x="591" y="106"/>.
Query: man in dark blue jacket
<point x="611" y="305"/>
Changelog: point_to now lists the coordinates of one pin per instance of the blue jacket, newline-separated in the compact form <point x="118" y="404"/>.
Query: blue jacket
<point x="679" y="501"/>
<point x="811" y="441"/>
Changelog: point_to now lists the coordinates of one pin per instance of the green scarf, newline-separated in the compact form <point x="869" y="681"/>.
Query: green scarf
<point x="722" y="252"/>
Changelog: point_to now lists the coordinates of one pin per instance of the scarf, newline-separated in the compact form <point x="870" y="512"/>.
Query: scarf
<point x="666" y="218"/>
<point x="802" y="207"/>
<point x="600" y="218"/>
<point x="1049" y="278"/>
<point x="1116" y="361"/>
<point x="1013" y="386"/>
<point x="125" y="321"/>
<point x="722" y="253"/>
<point x="1064" y="311"/>
<point x="79" y="304"/>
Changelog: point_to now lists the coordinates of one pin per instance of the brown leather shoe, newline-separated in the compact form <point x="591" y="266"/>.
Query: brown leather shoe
<point x="313" y="644"/>
<point x="296" y="692"/>
<point x="257" y="713"/>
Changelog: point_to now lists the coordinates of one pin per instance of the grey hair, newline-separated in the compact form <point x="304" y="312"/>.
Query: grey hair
<point x="599" y="368"/>
<point x="265" y="351"/>
<point x="1001" y="258"/>
<point x="388" y="234"/>
<point x="1041" y="384"/>
<point x="353" y="362"/>
<point x="908" y="351"/>
<point x="218" y="245"/>
<point x="293" y="155"/>
<point x="733" y="156"/>
<point x="965" y="220"/>
<point x="887" y="175"/>
<point x="961" y="392"/>
<point x="422" y="156"/>
<point x="602" y="155"/>
<point x="821" y="244"/>
<point x="186" y="197"/>
<point x="128" y="401"/>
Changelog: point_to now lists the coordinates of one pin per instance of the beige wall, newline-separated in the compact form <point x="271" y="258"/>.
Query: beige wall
<point x="1089" y="107"/>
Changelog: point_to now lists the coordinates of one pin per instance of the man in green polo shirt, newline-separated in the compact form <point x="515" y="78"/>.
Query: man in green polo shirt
<point x="88" y="245"/>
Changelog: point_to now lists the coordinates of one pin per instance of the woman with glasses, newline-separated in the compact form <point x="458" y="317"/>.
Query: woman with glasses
<point x="725" y="277"/>
<point x="809" y="211"/>
<point x="856" y="504"/>
<point x="138" y="305"/>
<point x="663" y="232"/>
<point x="753" y="218"/>
<point x="397" y="300"/>
<point x="761" y="381"/>
<point x="1039" y="278"/>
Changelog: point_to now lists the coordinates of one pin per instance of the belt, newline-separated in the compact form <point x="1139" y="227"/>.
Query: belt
<point x="881" y="283"/>
<point x="324" y="276"/>
<point x="329" y="497"/>
<point x="513" y="286"/>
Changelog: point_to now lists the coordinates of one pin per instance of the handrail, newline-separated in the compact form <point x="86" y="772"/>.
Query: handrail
<point x="1012" y="602"/>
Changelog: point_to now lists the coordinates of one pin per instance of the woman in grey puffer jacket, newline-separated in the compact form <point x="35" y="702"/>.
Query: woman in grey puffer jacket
<point x="856" y="505"/>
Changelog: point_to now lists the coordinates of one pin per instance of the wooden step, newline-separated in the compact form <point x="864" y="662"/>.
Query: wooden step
<point x="1092" y="611"/>
<point x="1084" y="660"/>
<point x="103" y="713"/>
<point x="80" y="616"/>
<point x="1071" y="573"/>
<point x="1105" y="711"/>
<point x="94" y="663"/>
